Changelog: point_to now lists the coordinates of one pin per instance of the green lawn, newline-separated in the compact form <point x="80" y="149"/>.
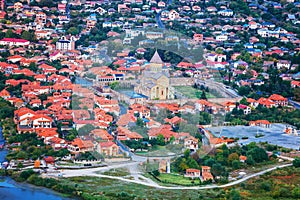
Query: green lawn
<point x="191" y="92"/>
<point x="117" y="172"/>
<point x="177" y="179"/>
<point x="103" y="188"/>
<point x="167" y="150"/>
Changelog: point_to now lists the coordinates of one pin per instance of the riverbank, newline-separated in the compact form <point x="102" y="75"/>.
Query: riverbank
<point x="13" y="190"/>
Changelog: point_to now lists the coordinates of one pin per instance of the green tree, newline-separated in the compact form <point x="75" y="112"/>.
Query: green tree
<point x="203" y="95"/>
<point x="217" y="169"/>
<point x="258" y="154"/>
<point x="296" y="162"/>
<point x="73" y="31"/>
<point x="10" y="34"/>
<point x="236" y="164"/>
<point x="86" y="129"/>
<point x="187" y="153"/>
<point x="232" y="157"/>
<point x="140" y="122"/>
<point x="33" y="67"/>
<point x="26" y="174"/>
<point x="296" y="192"/>
<point x="244" y="90"/>
<point x="26" y="35"/>
<point x="160" y="139"/>
<point x="244" y="101"/>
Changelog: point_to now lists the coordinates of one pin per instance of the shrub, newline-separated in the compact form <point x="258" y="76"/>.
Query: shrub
<point x="296" y="162"/>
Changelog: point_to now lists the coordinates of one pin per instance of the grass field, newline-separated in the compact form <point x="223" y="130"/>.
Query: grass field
<point x="103" y="188"/>
<point x="117" y="172"/>
<point x="177" y="179"/>
<point x="167" y="150"/>
<point x="191" y="92"/>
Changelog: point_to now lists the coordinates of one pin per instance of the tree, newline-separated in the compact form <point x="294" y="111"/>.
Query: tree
<point x="160" y="139"/>
<point x="86" y="129"/>
<point x="236" y="164"/>
<point x="232" y="157"/>
<point x="203" y="95"/>
<point x="191" y="163"/>
<point x="296" y="192"/>
<point x="140" y="122"/>
<point x="217" y="169"/>
<point x="183" y="166"/>
<point x="73" y="31"/>
<point x="33" y="67"/>
<point x="209" y="162"/>
<point x="114" y="85"/>
<point x="244" y="101"/>
<point x="187" y="153"/>
<point x="26" y="174"/>
<point x="234" y="195"/>
<point x="26" y="35"/>
<point x="296" y="162"/>
<point x="10" y="34"/>
<point x="258" y="154"/>
<point x="244" y="90"/>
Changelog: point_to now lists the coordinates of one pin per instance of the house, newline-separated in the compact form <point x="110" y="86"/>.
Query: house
<point x="252" y="102"/>
<point x="108" y="148"/>
<point x="205" y="106"/>
<point x="191" y="143"/>
<point x="5" y="94"/>
<point x="18" y="6"/>
<point x="266" y="102"/>
<point x="42" y="34"/>
<point x="57" y="143"/>
<point x="198" y="37"/>
<point x="229" y="106"/>
<point x="253" y="25"/>
<point x="41" y="121"/>
<point x="14" y="42"/>
<point x="47" y="134"/>
<point x="221" y="38"/>
<point x="226" y="13"/>
<point x="2" y="14"/>
<point x="100" y="11"/>
<point x="126" y="134"/>
<point x="283" y="64"/>
<point x="206" y="174"/>
<point x="279" y="100"/>
<point x="47" y="69"/>
<point x="174" y="121"/>
<point x="80" y="146"/>
<point x="173" y="15"/>
<point x="14" y="58"/>
<point x="65" y="44"/>
<point x="243" y="158"/>
<point x="101" y="134"/>
<point x="295" y="84"/>
<point x="246" y="109"/>
<point x="192" y="173"/>
<point x="261" y="123"/>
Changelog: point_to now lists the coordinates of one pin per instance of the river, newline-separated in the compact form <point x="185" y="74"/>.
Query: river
<point x="11" y="190"/>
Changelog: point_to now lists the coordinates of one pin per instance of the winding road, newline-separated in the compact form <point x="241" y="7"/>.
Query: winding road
<point x="148" y="182"/>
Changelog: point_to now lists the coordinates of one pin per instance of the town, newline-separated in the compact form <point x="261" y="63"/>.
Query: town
<point x="164" y="94"/>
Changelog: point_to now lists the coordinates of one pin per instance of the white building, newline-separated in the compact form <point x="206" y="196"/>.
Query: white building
<point x="65" y="45"/>
<point x="226" y="13"/>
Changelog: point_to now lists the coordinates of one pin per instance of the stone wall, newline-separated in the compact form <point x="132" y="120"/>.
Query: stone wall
<point x="182" y="81"/>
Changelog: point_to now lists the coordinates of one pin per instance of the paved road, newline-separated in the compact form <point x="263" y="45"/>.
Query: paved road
<point x="150" y="183"/>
